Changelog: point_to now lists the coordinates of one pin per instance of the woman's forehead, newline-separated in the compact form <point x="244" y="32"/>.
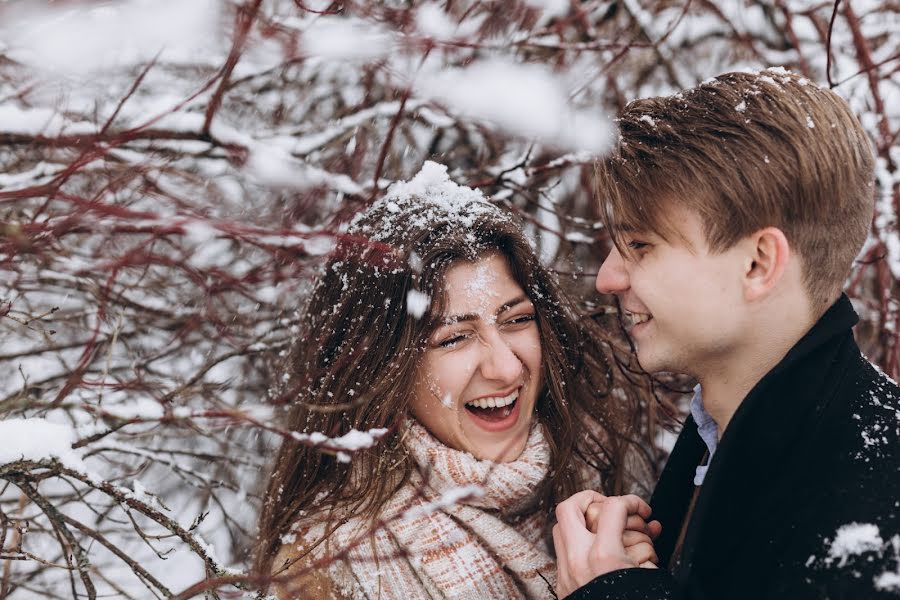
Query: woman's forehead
<point x="481" y="287"/>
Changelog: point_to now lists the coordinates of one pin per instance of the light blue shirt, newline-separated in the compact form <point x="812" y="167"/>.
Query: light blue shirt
<point x="708" y="430"/>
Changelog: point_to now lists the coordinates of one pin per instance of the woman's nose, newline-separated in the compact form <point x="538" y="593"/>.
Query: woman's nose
<point x="499" y="361"/>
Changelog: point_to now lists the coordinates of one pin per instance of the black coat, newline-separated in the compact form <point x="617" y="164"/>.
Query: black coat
<point x="813" y="447"/>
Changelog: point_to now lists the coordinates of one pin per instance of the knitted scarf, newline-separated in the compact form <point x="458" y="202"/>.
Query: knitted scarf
<point x="434" y="544"/>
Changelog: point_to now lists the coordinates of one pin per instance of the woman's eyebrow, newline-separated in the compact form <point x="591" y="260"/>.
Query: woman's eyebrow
<point x="451" y="319"/>
<point x="511" y="303"/>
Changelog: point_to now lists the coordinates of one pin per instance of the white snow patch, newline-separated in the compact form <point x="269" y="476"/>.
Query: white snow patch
<point x="341" y="38"/>
<point x="38" y="439"/>
<point x="428" y="198"/>
<point x="853" y="539"/>
<point x="351" y="441"/>
<point x="577" y="237"/>
<point x="449" y="498"/>
<point x="741" y="107"/>
<point x="554" y="8"/>
<point x="274" y="166"/>
<point x="431" y="20"/>
<point x="417" y="303"/>
<point x="889" y="581"/>
<point x="80" y="38"/>
<point x="524" y="100"/>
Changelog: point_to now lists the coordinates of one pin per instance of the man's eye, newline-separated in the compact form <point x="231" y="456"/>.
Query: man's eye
<point x="637" y="245"/>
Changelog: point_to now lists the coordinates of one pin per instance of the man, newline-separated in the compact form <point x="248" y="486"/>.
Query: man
<point x="737" y="209"/>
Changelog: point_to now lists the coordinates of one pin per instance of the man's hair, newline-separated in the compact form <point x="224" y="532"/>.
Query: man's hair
<point x="747" y="151"/>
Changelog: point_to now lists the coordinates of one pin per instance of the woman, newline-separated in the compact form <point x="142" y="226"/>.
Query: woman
<point x="435" y="321"/>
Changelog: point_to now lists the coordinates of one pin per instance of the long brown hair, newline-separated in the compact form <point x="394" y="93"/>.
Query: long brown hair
<point x="356" y="357"/>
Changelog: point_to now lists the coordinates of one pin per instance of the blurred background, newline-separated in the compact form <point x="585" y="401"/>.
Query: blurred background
<point x="174" y="172"/>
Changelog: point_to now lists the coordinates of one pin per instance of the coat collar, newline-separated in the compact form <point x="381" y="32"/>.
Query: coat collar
<point x="763" y="429"/>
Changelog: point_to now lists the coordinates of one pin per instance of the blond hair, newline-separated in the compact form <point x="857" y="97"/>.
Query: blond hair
<point x="747" y="151"/>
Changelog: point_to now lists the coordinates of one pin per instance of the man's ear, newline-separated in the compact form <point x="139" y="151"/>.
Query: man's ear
<point x="767" y="260"/>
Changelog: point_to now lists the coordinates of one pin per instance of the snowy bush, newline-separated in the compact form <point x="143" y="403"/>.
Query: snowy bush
<point x="173" y="173"/>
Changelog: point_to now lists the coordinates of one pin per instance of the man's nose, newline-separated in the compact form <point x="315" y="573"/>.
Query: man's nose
<point x="612" y="278"/>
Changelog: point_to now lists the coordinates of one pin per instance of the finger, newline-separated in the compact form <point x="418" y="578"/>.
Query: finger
<point x="636" y="505"/>
<point x="579" y="502"/>
<point x="631" y="538"/>
<point x="570" y="512"/>
<point x="562" y="563"/>
<point x="641" y="553"/>
<point x="591" y="516"/>
<point x="637" y="523"/>
<point x="611" y="524"/>
<point x="654" y="528"/>
<point x="648" y="565"/>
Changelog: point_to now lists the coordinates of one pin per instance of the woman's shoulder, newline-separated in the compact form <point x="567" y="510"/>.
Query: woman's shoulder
<point x="302" y="569"/>
<point x="307" y="565"/>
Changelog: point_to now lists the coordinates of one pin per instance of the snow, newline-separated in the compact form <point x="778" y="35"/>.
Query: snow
<point x="350" y="441"/>
<point x="522" y="99"/>
<point x="274" y="166"/>
<point x="576" y="237"/>
<point x="417" y="303"/>
<point x="36" y="440"/>
<point x="43" y="121"/>
<point x="853" y="539"/>
<point x="449" y="498"/>
<point x="554" y="8"/>
<point x="888" y="582"/>
<point x="432" y="21"/>
<point x="81" y="39"/>
<point x="856" y="539"/>
<point x="428" y="198"/>
<point x="307" y="112"/>
<point x="337" y="38"/>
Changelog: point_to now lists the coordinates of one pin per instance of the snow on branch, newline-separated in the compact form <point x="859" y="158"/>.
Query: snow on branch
<point x="174" y="174"/>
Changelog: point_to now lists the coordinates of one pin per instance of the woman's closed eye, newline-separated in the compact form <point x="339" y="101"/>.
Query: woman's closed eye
<point x="452" y="340"/>
<point x="520" y="320"/>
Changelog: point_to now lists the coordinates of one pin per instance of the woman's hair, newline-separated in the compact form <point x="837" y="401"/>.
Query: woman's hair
<point x="360" y="342"/>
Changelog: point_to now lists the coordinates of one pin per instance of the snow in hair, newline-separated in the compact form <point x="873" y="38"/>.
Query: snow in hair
<point x="429" y="198"/>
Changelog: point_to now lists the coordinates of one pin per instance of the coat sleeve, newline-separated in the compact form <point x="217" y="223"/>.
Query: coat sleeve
<point x="629" y="584"/>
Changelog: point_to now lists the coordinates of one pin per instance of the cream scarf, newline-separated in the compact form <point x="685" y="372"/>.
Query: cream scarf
<point x="487" y="546"/>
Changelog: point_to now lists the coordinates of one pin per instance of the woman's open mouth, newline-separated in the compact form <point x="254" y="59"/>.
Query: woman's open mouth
<point x="495" y="413"/>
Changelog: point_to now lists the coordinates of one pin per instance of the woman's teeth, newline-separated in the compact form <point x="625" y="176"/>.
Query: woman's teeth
<point x="498" y="402"/>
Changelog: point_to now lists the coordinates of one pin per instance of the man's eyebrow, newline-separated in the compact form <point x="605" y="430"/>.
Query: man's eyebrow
<point x="627" y="228"/>
<point x="451" y="319"/>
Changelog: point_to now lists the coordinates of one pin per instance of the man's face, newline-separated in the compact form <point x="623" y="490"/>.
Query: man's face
<point x="684" y="305"/>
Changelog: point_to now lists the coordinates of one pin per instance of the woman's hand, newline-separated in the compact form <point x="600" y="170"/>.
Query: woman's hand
<point x="583" y="554"/>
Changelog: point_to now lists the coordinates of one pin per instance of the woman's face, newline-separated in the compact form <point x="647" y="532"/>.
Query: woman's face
<point x="479" y="378"/>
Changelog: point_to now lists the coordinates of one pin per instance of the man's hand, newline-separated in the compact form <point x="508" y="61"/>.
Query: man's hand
<point x="638" y="537"/>
<point x="582" y="555"/>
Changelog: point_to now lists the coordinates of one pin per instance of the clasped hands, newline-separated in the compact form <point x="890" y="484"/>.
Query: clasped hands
<point x="597" y="534"/>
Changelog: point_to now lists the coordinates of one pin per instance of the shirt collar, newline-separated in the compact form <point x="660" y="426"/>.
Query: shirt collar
<point x="708" y="430"/>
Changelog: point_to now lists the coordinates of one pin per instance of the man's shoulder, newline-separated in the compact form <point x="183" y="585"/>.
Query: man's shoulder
<point x="855" y="448"/>
<point x="873" y="407"/>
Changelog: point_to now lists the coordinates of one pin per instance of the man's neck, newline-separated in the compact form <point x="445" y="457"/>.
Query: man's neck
<point x="725" y="385"/>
